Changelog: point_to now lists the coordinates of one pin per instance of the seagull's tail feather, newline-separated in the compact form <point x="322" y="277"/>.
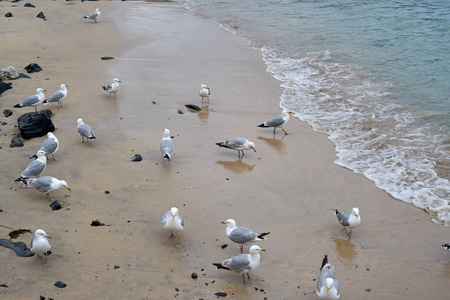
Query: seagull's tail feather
<point x="262" y="125"/>
<point x="324" y="261"/>
<point x="220" y="266"/>
<point x="20" y="179"/>
<point x="167" y="156"/>
<point x="222" y="144"/>
<point x="92" y="137"/>
<point x="336" y="212"/>
<point x="104" y="87"/>
<point x="446" y="246"/>
<point x="17" y="105"/>
<point x="261" y="235"/>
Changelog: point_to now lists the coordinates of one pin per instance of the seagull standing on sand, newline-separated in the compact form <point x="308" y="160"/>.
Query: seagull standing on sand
<point x="50" y="145"/>
<point x="113" y="87"/>
<point x="94" y="15"/>
<point x="166" y="145"/>
<point x="58" y="95"/>
<point x="327" y="285"/>
<point x="242" y="235"/>
<point x="242" y="263"/>
<point x="277" y="121"/>
<point x="204" y="92"/>
<point x="85" y="131"/>
<point x="40" y="245"/>
<point x="34" y="100"/>
<point x="47" y="184"/>
<point x="349" y="219"/>
<point x="238" y="144"/>
<point x="35" y="167"/>
<point x="173" y="222"/>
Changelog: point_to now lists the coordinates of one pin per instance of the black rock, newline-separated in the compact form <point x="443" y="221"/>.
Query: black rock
<point x="20" y="248"/>
<point x="9" y="15"/>
<point x="224" y="246"/>
<point x="22" y="75"/>
<point x="368" y="290"/>
<point x="180" y="112"/>
<point x="55" y="205"/>
<point x="116" y="267"/>
<point x="4" y="123"/>
<point x="4" y="86"/>
<point x="41" y="15"/>
<point x="29" y="5"/>
<point x="35" y="124"/>
<point x="107" y="58"/>
<point x="97" y="223"/>
<point x="33" y="67"/>
<point x="221" y="294"/>
<point x="16" y="142"/>
<point x="194" y="275"/>
<point x="41" y="298"/>
<point x="7" y="113"/>
<point x="107" y="192"/>
<point x="177" y="289"/>
<point x="193" y="107"/>
<point x="3" y="285"/>
<point x="60" y="284"/>
<point x="136" y="157"/>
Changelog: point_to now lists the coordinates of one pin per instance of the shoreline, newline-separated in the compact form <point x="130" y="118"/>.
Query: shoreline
<point x="208" y="184"/>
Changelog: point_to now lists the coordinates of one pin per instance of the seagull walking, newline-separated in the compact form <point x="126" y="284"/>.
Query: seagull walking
<point x="58" y="96"/>
<point x="349" y="219"/>
<point x="327" y="285"/>
<point x="237" y="144"/>
<point x="204" y="92"/>
<point x="242" y="235"/>
<point x="166" y="145"/>
<point x="173" y="222"/>
<point x="85" y="131"/>
<point x="47" y="184"/>
<point x="93" y="16"/>
<point x="277" y="121"/>
<point x="40" y="245"/>
<point x="34" y="100"/>
<point x="242" y="263"/>
<point x="113" y="87"/>
<point x="50" y="145"/>
<point x="35" y="167"/>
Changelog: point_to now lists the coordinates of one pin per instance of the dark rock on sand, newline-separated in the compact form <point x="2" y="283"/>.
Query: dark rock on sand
<point x="9" y="15"/>
<point x="221" y="294"/>
<point x="3" y="285"/>
<point x="4" y="87"/>
<point x="107" y="192"/>
<point x="29" y="5"/>
<point x="41" y="15"/>
<point x="22" y="75"/>
<point x="97" y="223"/>
<point x="136" y="157"/>
<point x="55" y="205"/>
<point x="224" y="246"/>
<point x="60" y="284"/>
<point x="16" y="142"/>
<point x="193" y="107"/>
<point x="194" y="275"/>
<point x="33" y="67"/>
<point x="107" y="58"/>
<point x="7" y="113"/>
<point x="180" y="112"/>
<point x="35" y="124"/>
<point x="20" y="248"/>
<point x="116" y="267"/>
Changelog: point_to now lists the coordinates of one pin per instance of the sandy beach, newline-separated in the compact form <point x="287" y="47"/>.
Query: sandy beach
<point x="289" y="187"/>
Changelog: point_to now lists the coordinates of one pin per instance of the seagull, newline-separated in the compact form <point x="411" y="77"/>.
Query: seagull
<point x="94" y="15"/>
<point x="277" y="121"/>
<point x="204" y="92"/>
<point x="238" y="144"/>
<point x="40" y="245"/>
<point x="446" y="246"/>
<point x="166" y="145"/>
<point x="112" y="88"/>
<point x="242" y="263"/>
<point x="349" y="219"/>
<point x="242" y="235"/>
<point x="58" y="95"/>
<point x="34" y="100"/>
<point x="50" y="145"/>
<point x="85" y="131"/>
<point x="173" y="222"/>
<point x="35" y="167"/>
<point x="47" y="184"/>
<point x="327" y="285"/>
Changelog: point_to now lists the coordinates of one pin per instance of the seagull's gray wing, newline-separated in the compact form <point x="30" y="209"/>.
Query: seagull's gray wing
<point x="275" y="121"/>
<point x="34" y="168"/>
<point x="239" y="263"/>
<point x="42" y="184"/>
<point x="181" y="220"/>
<point x="49" y="145"/>
<point x="57" y="96"/>
<point x="336" y="284"/>
<point x="93" y="15"/>
<point x="29" y="101"/>
<point x="32" y="242"/>
<point x="323" y="275"/>
<point x="236" y="143"/>
<point x="242" y="235"/>
<point x="166" y="147"/>
<point x="164" y="216"/>
<point x="85" y="130"/>
<point x="343" y="218"/>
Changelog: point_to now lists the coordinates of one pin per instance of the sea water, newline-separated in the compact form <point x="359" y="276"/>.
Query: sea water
<point x="374" y="75"/>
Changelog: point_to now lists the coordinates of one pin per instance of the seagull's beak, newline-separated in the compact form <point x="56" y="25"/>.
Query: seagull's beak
<point x="47" y="236"/>
<point x="47" y="153"/>
<point x="44" y="90"/>
<point x="119" y="81"/>
<point x="173" y="217"/>
<point x="69" y="188"/>
<point x="328" y="289"/>
<point x="263" y="249"/>
<point x="223" y="222"/>
<point x="67" y="86"/>
<point x="357" y="216"/>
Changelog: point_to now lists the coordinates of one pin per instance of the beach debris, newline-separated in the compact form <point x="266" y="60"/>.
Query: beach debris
<point x="224" y="246"/>
<point x="33" y="68"/>
<point x="242" y="235"/>
<point x="154" y="102"/>
<point x="4" y="87"/>
<point x="34" y="124"/>
<point x="349" y="219"/>
<point x="173" y="222"/>
<point x="221" y="294"/>
<point x="116" y="267"/>
<point x="85" y="131"/>
<point x="15" y="142"/>
<point x="22" y="75"/>
<point x="55" y="205"/>
<point x="107" y="58"/>
<point x="7" y="113"/>
<point x="238" y="144"/>
<point x="107" y="192"/>
<point x="29" y="5"/>
<point x="194" y="275"/>
<point x="113" y="87"/>
<point x="41" y="16"/>
<point x="8" y="15"/>
<point x="20" y="248"/>
<point x="193" y="107"/>
<point x="14" y="234"/>
<point x="166" y="145"/>
<point x="94" y="16"/>
<point x="368" y="290"/>
<point x="9" y="73"/>
<point x="180" y="112"/>
<point x="136" y="157"/>
<point x="3" y="285"/>
<point x="204" y="92"/>
<point x="98" y="223"/>
<point x="60" y="284"/>
<point x="277" y="121"/>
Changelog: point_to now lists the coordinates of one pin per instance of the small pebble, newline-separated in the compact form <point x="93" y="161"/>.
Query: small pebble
<point x="224" y="246"/>
<point x="60" y="284"/>
<point x="177" y="289"/>
<point x="136" y="157"/>
<point x="368" y="290"/>
<point x="107" y="192"/>
<point x="221" y="294"/>
<point x="194" y="275"/>
<point x="116" y="267"/>
<point x="3" y="285"/>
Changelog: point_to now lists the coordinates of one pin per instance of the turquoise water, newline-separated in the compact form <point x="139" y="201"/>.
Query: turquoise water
<point x="372" y="74"/>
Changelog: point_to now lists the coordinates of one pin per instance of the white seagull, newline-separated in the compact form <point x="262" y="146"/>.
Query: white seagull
<point x="113" y="87"/>
<point x="58" y="96"/>
<point x="238" y="144"/>
<point x="50" y="145"/>
<point x="85" y="131"/>
<point x="242" y="263"/>
<point x="277" y="121"/>
<point x="34" y="100"/>
<point x="173" y="222"/>
<point x="204" y="92"/>
<point x="94" y="15"/>
<point x="47" y="184"/>
<point x="242" y="235"/>
<point x="40" y="245"/>
<point x="35" y="167"/>
<point x="166" y="145"/>
<point x="349" y="219"/>
<point x="327" y="285"/>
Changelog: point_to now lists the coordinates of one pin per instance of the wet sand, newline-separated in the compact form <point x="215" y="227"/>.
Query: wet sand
<point x="288" y="187"/>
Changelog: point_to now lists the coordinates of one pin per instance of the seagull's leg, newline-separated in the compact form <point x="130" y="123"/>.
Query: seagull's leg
<point x="179" y="241"/>
<point x="274" y="129"/>
<point x="349" y="234"/>
<point x="242" y="153"/>
<point x="49" y="197"/>
<point x="242" y="248"/>
<point x="54" y="158"/>
<point x="285" y="133"/>
<point x="38" y="257"/>
<point x="171" y="235"/>
<point x="46" y="263"/>
<point x="35" y="108"/>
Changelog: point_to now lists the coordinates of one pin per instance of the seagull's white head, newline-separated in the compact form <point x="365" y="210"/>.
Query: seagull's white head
<point x="97" y="10"/>
<point x="174" y="212"/>
<point x="252" y="146"/>
<point x="50" y="135"/>
<point x="230" y="223"/>
<point x="255" y="249"/>
<point x="329" y="283"/>
<point x="80" y="121"/>
<point x="63" y="184"/>
<point x="355" y="211"/>
<point x="40" y="153"/>
<point x="166" y="133"/>
<point x="41" y="233"/>
<point x="40" y="91"/>
<point x="63" y="86"/>
<point x="116" y="80"/>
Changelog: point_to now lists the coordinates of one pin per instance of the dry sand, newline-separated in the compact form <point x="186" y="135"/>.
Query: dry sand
<point x="163" y="54"/>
